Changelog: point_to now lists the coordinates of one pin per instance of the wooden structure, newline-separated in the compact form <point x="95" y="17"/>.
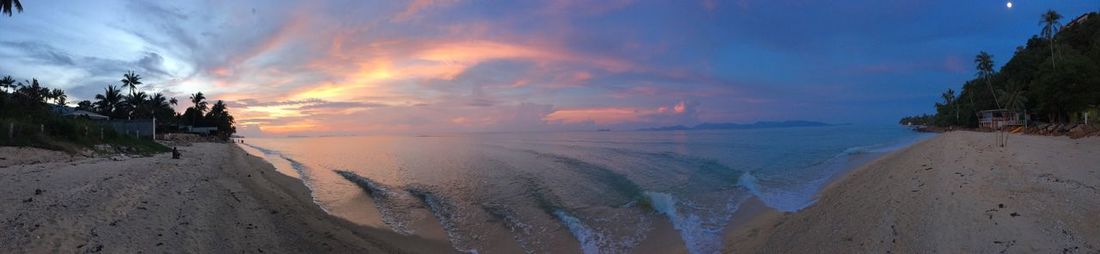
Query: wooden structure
<point x="998" y="118"/>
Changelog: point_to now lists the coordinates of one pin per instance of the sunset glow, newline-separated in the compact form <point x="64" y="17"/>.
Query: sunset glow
<point x="428" y="66"/>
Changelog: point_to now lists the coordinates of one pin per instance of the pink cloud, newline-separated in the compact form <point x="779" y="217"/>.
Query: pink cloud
<point x="679" y="112"/>
<point x="416" y="6"/>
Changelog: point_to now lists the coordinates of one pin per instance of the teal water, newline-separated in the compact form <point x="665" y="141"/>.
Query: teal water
<point x="590" y="192"/>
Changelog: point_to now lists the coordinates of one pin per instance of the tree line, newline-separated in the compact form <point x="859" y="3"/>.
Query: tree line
<point x="29" y="99"/>
<point x="1053" y="78"/>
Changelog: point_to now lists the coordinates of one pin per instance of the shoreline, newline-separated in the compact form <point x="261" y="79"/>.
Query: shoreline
<point x="753" y="214"/>
<point x="664" y="238"/>
<point x="956" y="192"/>
<point x="218" y="198"/>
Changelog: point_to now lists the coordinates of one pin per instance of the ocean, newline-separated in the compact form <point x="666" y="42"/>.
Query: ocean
<point x="590" y="192"/>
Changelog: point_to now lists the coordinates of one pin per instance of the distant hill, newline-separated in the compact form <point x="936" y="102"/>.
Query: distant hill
<point x="737" y="126"/>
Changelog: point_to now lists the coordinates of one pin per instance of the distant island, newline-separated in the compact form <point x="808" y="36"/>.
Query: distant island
<point x="737" y="126"/>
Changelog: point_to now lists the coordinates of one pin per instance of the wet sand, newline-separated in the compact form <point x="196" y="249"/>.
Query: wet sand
<point x="955" y="193"/>
<point x="217" y="199"/>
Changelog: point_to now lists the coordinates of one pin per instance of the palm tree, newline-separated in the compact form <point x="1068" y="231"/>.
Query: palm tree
<point x="219" y="117"/>
<point x="162" y="107"/>
<point x="131" y="80"/>
<point x="6" y="6"/>
<point x="7" y="83"/>
<point x="109" y="102"/>
<point x="948" y="99"/>
<point x="200" y="102"/>
<point x="34" y="91"/>
<point x="137" y="103"/>
<point x="1015" y="101"/>
<point x="1051" y="25"/>
<point x="58" y="96"/>
<point x="984" y="63"/>
<point x="200" y="106"/>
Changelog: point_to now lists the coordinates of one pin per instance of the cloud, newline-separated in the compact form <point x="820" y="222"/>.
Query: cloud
<point x="341" y="105"/>
<point x="341" y="66"/>
<point x="681" y="112"/>
<point x="416" y="6"/>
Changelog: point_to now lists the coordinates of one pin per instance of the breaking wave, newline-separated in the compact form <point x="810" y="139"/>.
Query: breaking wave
<point x="387" y="202"/>
<point x="447" y="214"/>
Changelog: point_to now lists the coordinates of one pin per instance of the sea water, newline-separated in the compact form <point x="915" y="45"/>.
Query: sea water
<point x="590" y="192"/>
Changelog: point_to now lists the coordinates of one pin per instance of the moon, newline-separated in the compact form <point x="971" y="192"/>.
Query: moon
<point x="1009" y="5"/>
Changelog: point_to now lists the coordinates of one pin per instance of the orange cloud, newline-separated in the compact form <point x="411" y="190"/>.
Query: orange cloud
<point x="415" y="7"/>
<point x="601" y="116"/>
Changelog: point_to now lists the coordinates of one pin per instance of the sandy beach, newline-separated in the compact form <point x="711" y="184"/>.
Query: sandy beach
<point x="217" y="199"/>
<point x="955" y="193"/>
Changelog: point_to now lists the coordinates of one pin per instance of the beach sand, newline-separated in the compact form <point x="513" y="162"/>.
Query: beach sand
<point x="217" y="199"/>
<point x="955" y="193"/>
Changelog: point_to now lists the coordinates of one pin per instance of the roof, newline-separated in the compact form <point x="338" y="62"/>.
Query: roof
<point x="1079" y="19"/>
<point x="87" y="114"/>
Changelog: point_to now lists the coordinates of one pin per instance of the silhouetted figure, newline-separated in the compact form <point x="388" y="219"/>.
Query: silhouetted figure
<point x="175" y="153"/>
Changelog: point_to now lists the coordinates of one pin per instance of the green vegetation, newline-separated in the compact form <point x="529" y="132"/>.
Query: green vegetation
<point x="27" y="117"/>
<point x="27" y="120"/>
<point x="139" y="105"/>
<point x="1055" y="78"/>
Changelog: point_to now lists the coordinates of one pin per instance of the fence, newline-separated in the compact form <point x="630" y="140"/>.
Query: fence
<point x="144" y="128"/>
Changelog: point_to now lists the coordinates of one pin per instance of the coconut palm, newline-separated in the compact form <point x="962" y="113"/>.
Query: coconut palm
<point x="7" y="83"/>
<point x="33" y="91"/>
<point x="1051" y="25"/>
<point x="984" y="63"/>
<point x="110" y="102"/>
<point x="200" y="102"/>
<point x="1014" y="101"/>
<point x="948" y="99"/>
<point x="219" y="117"/>
<point x="162" y="107"/>
<point x="131" y="80"/>
<point x="58" y="96"/>
<point x="6" y="6"/>
<point x="137" y="104"/>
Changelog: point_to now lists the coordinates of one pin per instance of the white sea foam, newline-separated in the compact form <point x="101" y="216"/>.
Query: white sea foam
<point x="588" y="238"/>
<point x="700" y="235"/>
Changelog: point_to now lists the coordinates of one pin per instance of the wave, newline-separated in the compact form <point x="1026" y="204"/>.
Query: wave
<point x="592" y="239"/>
<point x="298" y="167"/>
<point x="790" y="194"/>
<point x="265" y="151"/>
<point x="447" y="214"/>
<point x="521" y="232"/>
<point x="589" y="239"/>
<point x="701" y="168"/>
<point x="700" y="234"/>
<point x="386" y="201"/>
<point x="887" y="146"/>
<point x="619" y="183"/>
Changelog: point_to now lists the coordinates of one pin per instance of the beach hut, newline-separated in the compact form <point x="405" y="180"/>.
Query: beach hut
<point x="998" y="118"/>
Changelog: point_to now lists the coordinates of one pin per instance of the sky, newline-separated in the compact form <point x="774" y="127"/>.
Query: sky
<point x="334" y="67"/>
